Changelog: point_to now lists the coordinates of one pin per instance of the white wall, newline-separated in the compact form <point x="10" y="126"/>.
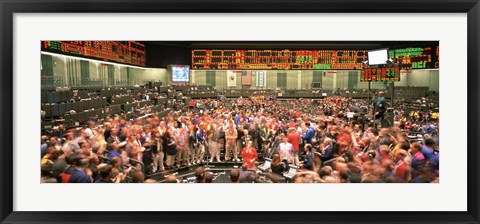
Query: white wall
<point x="142" y="76"/>
<point x="306" y="79"/>
<point x="332" y="80"/>
<point x="199" y="77"/>
<point x="59" y="67"/>
<point x="430" y="78"/>
<point x="66" y="71"/>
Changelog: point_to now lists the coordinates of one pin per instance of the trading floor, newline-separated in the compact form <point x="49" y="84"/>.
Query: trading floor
<point x="332" y="112"/>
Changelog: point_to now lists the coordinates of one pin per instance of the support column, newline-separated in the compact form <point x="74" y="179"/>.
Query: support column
<point x="334" y="85"/>
<point x="299" y="80"/>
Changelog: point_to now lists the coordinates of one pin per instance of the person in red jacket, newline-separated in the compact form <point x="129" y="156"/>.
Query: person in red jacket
<point x="249" y="155"/>
<point x="294" y="139"/>
<point x="402" y="169"/>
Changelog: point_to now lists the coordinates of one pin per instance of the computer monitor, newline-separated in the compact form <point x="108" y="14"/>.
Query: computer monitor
<point x="378" y="57"/>
<point x="267" y="164"/>
<point x="292" y="171"/>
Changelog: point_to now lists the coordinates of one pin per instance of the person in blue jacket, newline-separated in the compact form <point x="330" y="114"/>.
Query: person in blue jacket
<point x="307" y="137"/>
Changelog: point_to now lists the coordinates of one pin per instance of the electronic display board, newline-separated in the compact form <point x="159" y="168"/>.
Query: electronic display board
<point x="416" y="57"/>
<point x="128" y="52"/>
<point x="380" y="74"/>
<point x="278" y="59"/>
<point x="409" y="58"/>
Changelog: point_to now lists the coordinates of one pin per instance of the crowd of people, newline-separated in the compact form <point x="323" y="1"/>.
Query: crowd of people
<point x="331" y="140"/>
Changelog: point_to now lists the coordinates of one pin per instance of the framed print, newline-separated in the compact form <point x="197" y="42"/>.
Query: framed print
<point x="295" y="112"/>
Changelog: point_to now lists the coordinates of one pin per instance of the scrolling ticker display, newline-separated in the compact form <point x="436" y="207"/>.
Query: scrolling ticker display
<point x="127" y="52"/>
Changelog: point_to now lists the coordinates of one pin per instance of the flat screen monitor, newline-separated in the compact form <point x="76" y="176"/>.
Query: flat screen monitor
<point x="292" y="171"/>
<point x="267" y="163"/>
<point x="180" y="73"/>
<point x="378" y="57"/>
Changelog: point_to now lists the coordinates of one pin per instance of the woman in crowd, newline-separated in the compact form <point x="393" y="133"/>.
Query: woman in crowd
<point x="277" y="166"/>
<point x="249" y="155"/>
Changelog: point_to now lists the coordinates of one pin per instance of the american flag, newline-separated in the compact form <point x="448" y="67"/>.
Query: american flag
<point x="246" y="77"/>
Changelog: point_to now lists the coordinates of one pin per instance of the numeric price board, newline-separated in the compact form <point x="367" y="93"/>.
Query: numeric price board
<point x="409" y="58"/>
<point x="380" y="74"/>
<point x="128" y="52"/>
<point x="278" y="59"/>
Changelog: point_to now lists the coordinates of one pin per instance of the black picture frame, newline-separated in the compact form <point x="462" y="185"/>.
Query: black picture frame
<point x="9" y="7"/>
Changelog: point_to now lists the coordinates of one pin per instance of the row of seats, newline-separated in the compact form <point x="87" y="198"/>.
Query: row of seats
<point x="410" y="92"/>
<point x="203" y="95"/>
<point x="129" y="106"/>
<point x="126" y="99"/>
<point x="152" y="85"/>
<point x="182" y="88"/>
<point x="231" y="94"/>
<point x="112" y="92"/>
<point x="54" y="110"/>
<point x="72" y="120"/>
<point x="59" y="109"/>
<point x="60" y="96"/>
<point x="300" y="94"/>
<point x="82" y="117"/>
<point x="163" y="89"/>
<point x="123" y="99"/>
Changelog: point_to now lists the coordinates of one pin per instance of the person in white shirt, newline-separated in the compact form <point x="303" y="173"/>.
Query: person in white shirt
<point x="140" y="148"/>
<point x="300" y="128"/>
<point x="286" y="150"/>
<point x="89" y="129"/>
<point x="181" y="137"/>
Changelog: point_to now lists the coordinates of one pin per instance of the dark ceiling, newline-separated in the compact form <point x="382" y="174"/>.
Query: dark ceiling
<point x="327" y="45"/>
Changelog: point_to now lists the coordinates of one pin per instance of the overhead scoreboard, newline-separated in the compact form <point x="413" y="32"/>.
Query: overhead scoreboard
<point x="409" y="58"/>
<point x="127" y="52"/>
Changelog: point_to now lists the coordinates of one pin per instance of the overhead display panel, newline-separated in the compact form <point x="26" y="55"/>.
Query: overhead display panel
<point x="409" y="58"/>
<point x="416" y="57"/>
<point x="127" y="52"/>
<point x="380" y="74"/>
<point x="278" y="59"/>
